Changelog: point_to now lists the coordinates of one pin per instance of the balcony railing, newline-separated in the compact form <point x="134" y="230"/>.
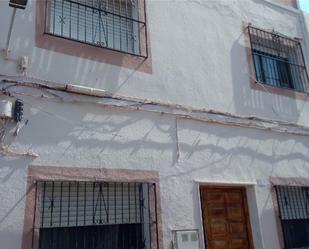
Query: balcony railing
<point x="278" y="60"/>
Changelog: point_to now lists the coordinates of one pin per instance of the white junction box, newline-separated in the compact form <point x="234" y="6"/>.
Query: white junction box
<point x="186" y="239"/>
<point x="6" y="107"/>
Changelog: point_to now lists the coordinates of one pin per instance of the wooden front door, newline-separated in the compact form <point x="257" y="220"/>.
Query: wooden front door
<point x="226" y="218"/>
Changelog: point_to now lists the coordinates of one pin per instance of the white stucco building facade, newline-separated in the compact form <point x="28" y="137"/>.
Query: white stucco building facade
<point x="190" y="114"/>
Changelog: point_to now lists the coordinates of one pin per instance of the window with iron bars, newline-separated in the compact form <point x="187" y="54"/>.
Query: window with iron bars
<point x="278" y="60"/>
<point x="293" y="203"/>
<point x="112" y="24"/>
<point x="94" y="215"/>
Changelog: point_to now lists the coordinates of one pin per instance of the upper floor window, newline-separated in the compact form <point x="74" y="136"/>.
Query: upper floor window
<point x="113" y="24"/>
<point x="293" y="203"/>
<point x="278" y="60"/>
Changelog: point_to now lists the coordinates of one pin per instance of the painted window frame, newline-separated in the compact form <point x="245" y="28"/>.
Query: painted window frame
<point x="293" y="212"/>
<point x="269" y="46"/>
<point x="46" y="173"/>
<point x="72" y="47"/>
<point x="72" y="213"/>
<point x="117" y="27"/>
<point x="255" y="84"/>
<point x="288" y="182"/>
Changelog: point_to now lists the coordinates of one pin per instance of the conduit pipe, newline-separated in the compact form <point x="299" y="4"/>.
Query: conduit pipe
<point x="85" y="90"/>
<point x="178" y="111"/>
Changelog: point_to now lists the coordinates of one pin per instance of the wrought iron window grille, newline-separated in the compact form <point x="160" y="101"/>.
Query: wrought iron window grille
<point x="96" y="215"/>
<point x="278" y="60"/>
<point x="293" y="204"/>
<point x="117" y="25"/>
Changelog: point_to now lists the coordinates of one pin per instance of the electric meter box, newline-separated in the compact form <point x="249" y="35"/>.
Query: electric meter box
<point x="6" y="108"/>
<point x="186" y="239"/>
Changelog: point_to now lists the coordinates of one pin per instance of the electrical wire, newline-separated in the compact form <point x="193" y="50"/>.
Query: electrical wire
<point x="5" y="148"/>
<point x="184" y="112"/>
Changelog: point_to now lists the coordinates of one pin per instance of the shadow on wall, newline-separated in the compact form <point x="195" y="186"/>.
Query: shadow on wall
<point x="217" y="150"/>
<point x="268" y="220"/>
<point x="10" y="240"/>
<point x="13" y="171"/>
<point x="205" y="149"/>
<point x="91" y="132"/>
<point x="95" y="134"/>
<point x="9" y="166"/>
<point x="256" y="102"/>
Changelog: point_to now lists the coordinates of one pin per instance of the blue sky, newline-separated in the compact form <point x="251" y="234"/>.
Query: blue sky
<point x="304" y="4"/>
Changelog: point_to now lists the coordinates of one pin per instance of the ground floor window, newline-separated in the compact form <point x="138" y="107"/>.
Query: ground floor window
<point x="94" y="215"/>
<point x="293" y="205"/>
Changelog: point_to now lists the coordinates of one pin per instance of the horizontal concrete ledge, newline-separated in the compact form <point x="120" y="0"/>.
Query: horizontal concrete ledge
<point x="224" y="183"/>
<point x="110" y="101"/>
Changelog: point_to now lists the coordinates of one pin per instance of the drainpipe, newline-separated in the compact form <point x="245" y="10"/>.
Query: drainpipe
<point x="7" y="47"/>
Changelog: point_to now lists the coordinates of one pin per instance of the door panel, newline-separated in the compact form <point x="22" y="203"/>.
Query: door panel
<point x="217" y="212"/>
<point x="234" y="197"/>
<point x="219" y="227"/>
<point x="237" y="227"/>
<point x="235" y="213"/>
<point x="219" y="244"/>
<point x="226" y="218"/>
<point x="238" y="244"/>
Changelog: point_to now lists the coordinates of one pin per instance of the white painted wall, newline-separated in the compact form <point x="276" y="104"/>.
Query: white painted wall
<point x="198" y="56"/>
<point x="199" y="60"/>
<point x="93" y="136"/>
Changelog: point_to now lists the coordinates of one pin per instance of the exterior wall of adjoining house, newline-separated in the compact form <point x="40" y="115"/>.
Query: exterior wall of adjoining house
<point x="199" y="59"/>
<point x="207" y="65"/>
<point x="289" y="3"/>
<point x="196" y="152"/>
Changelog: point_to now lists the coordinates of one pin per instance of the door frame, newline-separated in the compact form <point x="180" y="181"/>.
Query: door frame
<point x="246" y="209"/>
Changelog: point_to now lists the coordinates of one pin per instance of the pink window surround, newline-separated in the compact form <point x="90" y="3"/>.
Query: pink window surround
<point x="100" y="54"/>
<point x="46" y="173"/>
<point x="256" y="85"/>
<point x="284" y="181"/>
<point x="289" y="3"/>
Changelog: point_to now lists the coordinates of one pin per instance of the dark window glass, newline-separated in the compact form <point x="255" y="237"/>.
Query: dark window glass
<point x="272" y="70"/>
<point x="94" y="215"/>
<point x="296" y="233"/>
<point x="92" y="237"/>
